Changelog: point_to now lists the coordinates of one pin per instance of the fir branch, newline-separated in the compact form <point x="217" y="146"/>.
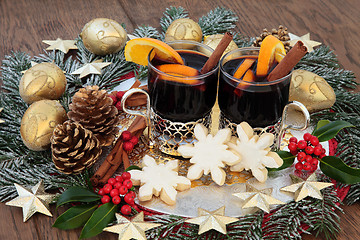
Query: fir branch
<point x="146" y="31"/>
<point x="141" y="73"/>
<point x="248" y="227"/>
<point x="218" y="20"/>
<point x="171" y="14"/>
<point x="242" y="40"/>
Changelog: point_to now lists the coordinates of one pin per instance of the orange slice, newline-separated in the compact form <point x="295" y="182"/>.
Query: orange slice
<point x="271" y="49"/>
<point x="249" y="76"/>
<point x="244" y="66"/>
<point x="137" y="51"/>
<point x="178" y="72"/>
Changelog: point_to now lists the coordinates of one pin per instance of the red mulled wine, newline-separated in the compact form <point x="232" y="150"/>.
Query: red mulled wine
<point x="260" y="103"/>
<point x="190" y="98"/>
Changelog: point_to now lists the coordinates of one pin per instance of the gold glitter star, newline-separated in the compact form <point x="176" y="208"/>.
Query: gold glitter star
<point x="208" y="220"/>
<point x="59" y="44"/>
<point x="131" y="229"/>
<point x="304" y="188"/>
<point x="91" y="68"/>
<point x="32" y="200"/>
<point x="258" y="198"/>
<point x="310" y="44"/>
<point x="1" y="121"/>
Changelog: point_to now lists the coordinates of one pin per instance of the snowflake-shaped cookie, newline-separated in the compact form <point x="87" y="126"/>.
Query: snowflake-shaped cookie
<point x="159" y="180"/>
<point x="255" y="152"/>
<point x="209" y="154"/>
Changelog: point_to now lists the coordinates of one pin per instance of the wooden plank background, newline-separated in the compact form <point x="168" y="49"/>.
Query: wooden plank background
<point x="24" y="24"/>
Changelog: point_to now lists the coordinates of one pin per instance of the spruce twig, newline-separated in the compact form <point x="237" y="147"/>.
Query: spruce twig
<point x="219" y="20"/>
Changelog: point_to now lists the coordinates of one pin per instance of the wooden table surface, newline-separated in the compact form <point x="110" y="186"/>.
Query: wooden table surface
<point x="25" y="23"/>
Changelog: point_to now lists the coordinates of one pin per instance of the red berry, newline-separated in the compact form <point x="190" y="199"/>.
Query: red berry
<point x="128" y="146"/>
<point x="301" y="156"/>
<point x="123" y="190"/>
<point x="101" y="192"/>
<point x="309" y="150"/>
<point x="319" y="145"/>
<point x="116" y="200"/>
<point x="294" y="152"/>
<point x="299" y="166"/>
<point x="307" y="136"/>
<point x="317" y="151"/>
<point x="293" y="140"/>
<point x="306" y="166"/>
<point x="119" y="95"/>
<point x="302" y="144"/>
<point x="132" y="193"/>
<point x="128" y="183"/>
<point x="113" y="97"/>
<point x="114" y="192"/>
<point x="308" y="158"/>
<point x="117" y="185"/>
<point x="135" y="207"/>
<point x="322" y="155"/>
<point x="134" y="140"/>
<point x="126" y="136"/>
<point x="313" y="167"/>
<point x="314" y="140"/>
<point x="111" y="181"/>
<point x="129" y="198"/>
<point x="107" y="188"/>
<point x="323" y="151"/>
<point x="119" y="106"/>
<point x="119" y="179"/>
<point x="314" y="162"/>
<point x="126" y="175"/>
<point x="126" y="209"/>
<point x="292" y="146"/>
<point x="105" y="199"/>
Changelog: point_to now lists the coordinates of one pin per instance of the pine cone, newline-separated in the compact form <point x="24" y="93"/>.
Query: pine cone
<point x="281" y="33"/>
<point x="73" y="147"/>
<point x="94" y="110"/>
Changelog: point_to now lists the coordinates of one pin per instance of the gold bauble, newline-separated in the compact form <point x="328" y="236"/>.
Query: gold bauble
<point x="38" y="123"/>
<point x="214" y="40"/>
<point x="183" y="29"/>
<point x="311" y="90"/>
<point x="42" y="81"/>
<point x="103" y="36"/>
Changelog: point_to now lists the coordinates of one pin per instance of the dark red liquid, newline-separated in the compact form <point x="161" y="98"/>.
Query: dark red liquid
<point x="180" y="102"/>
<point x="260" y="106"/>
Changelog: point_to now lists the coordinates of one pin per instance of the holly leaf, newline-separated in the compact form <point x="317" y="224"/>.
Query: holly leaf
<point x="288" y="159"/>
<point x="336" y="169"/>
<point x="77" y="194"/>
<point x="321" y="123"/>
<point x="133" y="167"/>
<point x="330" y="130"/>
<point x="75" y="217"/>
<point x="99" y="220"/>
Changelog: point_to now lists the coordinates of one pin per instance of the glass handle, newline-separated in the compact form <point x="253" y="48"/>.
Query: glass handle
<point x="143" y="114"/>
<point x="285" y="126"/>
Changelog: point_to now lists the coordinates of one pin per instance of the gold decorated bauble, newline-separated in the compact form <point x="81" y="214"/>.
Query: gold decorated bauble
<point x="183" y="29"/>
<point x="42" y="81"/>
<point x="38" y="123"/>
<point x="311" y="90"/>
<point x="214" y="40"/>
<point x="103" y="36"/>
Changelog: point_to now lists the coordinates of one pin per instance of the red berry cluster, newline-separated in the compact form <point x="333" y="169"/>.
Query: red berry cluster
<point x="116" y="97"/>
<point x="118" y="190"/>
<point x="129" y="141"/>
<point x="308" y="152"/>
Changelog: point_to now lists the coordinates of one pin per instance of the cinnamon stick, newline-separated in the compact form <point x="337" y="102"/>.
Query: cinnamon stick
<point x="289" y="61"/>
<point x="117" y="155"/>
<point x="216" y="55"/>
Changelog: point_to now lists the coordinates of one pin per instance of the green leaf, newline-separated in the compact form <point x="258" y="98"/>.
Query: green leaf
<point x="330" y="130"/>
<point x="133" y="167"/>
<point x="99" y="220"/>
<point x="288" y="159"/>
<point x="336" y="169"/>
<point x="75" y="217"/>
<point x="77" y="194"/>
<point x="321" y="123"/>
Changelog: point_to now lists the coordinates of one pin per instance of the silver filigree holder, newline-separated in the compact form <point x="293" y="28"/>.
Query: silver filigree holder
<point x="165" y="134"/>
<point x="279" y="128"/>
